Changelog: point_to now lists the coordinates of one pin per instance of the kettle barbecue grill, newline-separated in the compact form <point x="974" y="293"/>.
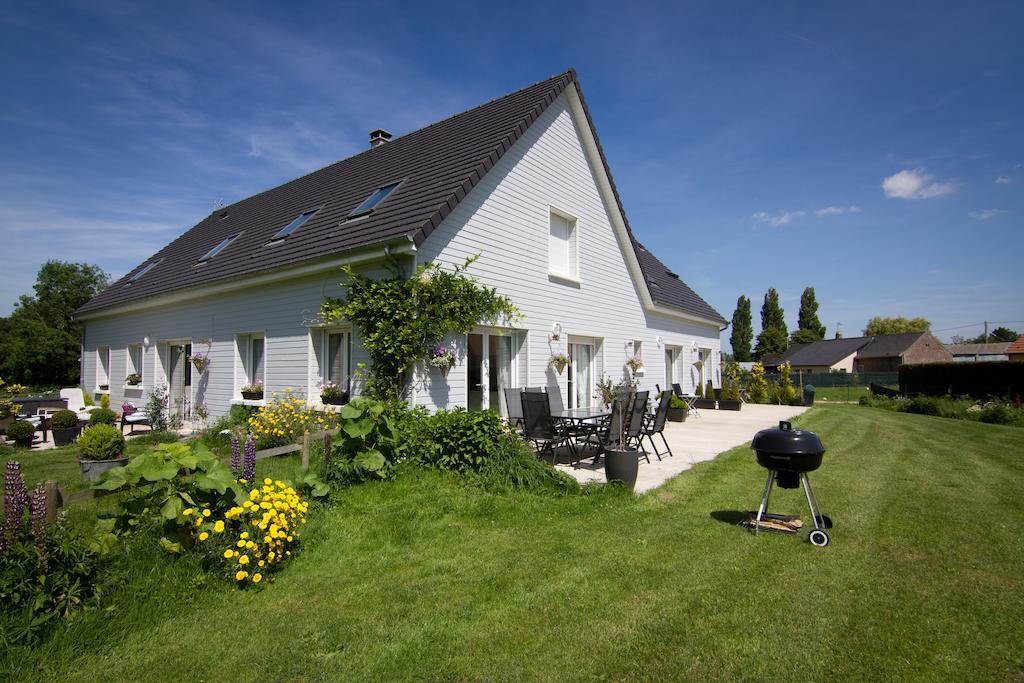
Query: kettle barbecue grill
<point x="789" y="454"/>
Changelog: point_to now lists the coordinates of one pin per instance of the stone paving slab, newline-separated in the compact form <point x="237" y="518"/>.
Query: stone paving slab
<point x="697" y="439"/>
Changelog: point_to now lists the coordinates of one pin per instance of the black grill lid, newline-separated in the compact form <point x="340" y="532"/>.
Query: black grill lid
<point x="785" y="439"/>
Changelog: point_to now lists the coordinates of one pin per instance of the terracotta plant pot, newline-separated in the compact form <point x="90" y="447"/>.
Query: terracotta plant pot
<point x="93" y="469"/>
<point x="622" y="466"/>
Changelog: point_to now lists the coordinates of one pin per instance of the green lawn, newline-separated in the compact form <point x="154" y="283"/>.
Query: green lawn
<point x="831" y="394"/>
<point x="427" y="578"/>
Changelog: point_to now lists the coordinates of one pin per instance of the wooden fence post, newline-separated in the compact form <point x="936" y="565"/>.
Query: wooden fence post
<point x="53" y="500"/>
<point x="305" y="450"/>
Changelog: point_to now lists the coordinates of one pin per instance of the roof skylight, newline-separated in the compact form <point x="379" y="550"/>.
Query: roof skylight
<point x="294" y="225"/>
<point x="219" y="248"/>
<point x="375" y="198"/>
<point x="149" y="266"/>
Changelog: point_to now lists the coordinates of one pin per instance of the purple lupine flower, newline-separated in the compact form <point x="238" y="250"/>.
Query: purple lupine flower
<point x="236" y="456"/>
<point x="15" y="499"/>
<point x="249" y="462"/>
<point x="37" y="514"/>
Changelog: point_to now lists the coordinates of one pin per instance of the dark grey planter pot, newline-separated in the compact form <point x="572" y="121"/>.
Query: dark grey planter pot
<point x="730" y="405"/>
<point x="705" y="403"/>
<point x="65" y="435"/>
<point x="622" y="466"/>
<point x="93" y="469"/>
<point x="677" y="414"/>
<point x="252" y="395"/>
<point x="339" y="401"/>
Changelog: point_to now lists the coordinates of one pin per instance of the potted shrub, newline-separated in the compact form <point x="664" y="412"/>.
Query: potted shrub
<point x="730" y="399"/>
<point x="133" y="380"/>
<point x="102" y="416"/>
<point x="677" y="409"/>
<point x="100" y="448"/>
<point x="64" y="426"/>
<point x="21" y="433"/>
<point x="621" y="461"/>
<point x="705" y="397"/>
<point x="333" y="395"/>
<point x="254" y="391"/>
<point x="7" y="413"/>
<point x="559" y="361"/>
<point x="443" y="358"/>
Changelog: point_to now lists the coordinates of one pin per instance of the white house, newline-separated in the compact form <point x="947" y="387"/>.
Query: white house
<point x="521" y="180"/>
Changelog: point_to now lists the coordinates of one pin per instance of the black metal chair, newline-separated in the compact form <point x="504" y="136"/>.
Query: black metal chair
<point x="678" y="389"/>
<point x="656" y="425"/>
<point x="541" y="430"/>
<point x="637" y="420"/>
<point x="534" y="390"/>
<point x="608" y="433"/>
<point x="514" y="406"/>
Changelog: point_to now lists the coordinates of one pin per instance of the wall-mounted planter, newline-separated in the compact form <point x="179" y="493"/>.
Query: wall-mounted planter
<point x="252" y="395"/>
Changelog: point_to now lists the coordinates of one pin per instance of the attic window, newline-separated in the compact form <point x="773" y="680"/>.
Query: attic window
<point x="294" y="225"/>
<point x="149" y="266"/>
<point x="375" y="198"/>
<point x="671" y="274"/>
<point x="219" y="248"/>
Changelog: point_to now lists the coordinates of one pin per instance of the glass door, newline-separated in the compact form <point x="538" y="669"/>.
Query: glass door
<point x="670" y="367"/>
<point x="499" y="357"/>
<point x="179" y="375"/>
<point x="581" y="375"/>
<point x="475" y="372"/>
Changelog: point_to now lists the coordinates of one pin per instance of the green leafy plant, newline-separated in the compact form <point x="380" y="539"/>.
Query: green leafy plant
<point x="698" y="391"/>
<point x="608" y="390"/>
<point x="676" y="403"/>
<point x="400" y="316"/>
<point x="558" y="361"/>
<point x="64" y="419"/>
<point x="757" y="385"/>
<point x="100" y="442"/>
<point x="365" y="447"/>
<point x="461" y="440"/>
<point x="156" y="409"/>
<point x="21" y="432"/>
<point x="174" y="477"/>
<point x="102" y="416"/>
<point x="133" y="379"/>
<point x="784" y="391"/>
<point x="105" y="401"/>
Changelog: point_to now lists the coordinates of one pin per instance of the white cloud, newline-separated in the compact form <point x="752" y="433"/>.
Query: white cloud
<point x="1003" y="180"/>
<point x="778" y="219"/>
<point x="986" y="214"/>
<point x="914" y="184"/>
<point x="837" y="210"/>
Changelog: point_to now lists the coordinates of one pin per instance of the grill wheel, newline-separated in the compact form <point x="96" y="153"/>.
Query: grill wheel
<point x="818" y="538"/>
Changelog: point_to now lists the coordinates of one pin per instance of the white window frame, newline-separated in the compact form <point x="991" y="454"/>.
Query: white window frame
<point x="572" y="271"/>
<point x="323" y="370"/>
<point x="243" y="361"/>
<point x="131" y="367"/>
<point x="102" y="369"/>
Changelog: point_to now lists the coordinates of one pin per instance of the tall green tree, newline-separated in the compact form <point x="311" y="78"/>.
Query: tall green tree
<point x="771" y="340"/>
<point x="772" y="315"/>
<point x="999" y="334"/>
<point x="742" y="330"/>
<point x="40" y="341"/>
<point x="808" y="319"/>
<point x="878" y="326"/>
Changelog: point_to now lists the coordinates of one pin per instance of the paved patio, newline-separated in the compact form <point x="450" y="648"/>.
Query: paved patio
<point x="697" y="439"/>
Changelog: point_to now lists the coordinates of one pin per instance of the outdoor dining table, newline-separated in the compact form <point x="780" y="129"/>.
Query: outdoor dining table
<point x="582" y="414"/>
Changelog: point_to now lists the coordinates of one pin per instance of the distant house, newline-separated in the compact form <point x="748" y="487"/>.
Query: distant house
<point x="829" y="355"/>
<point x="979" y="352"/>
<point x="887" y="353"/>
<point x="1015" y="351"/>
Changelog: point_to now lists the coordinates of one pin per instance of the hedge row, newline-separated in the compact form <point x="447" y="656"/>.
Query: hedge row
<point x="1002" y="379"/>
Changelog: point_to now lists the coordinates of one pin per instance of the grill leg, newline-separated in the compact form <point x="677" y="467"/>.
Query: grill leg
<point x="811" y="500"/>
<point x="764" y="502"/>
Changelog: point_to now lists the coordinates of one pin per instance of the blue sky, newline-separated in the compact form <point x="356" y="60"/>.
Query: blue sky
<point x="873" y="151"/>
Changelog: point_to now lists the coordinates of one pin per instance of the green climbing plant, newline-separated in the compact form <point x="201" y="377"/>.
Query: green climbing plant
<point x="401" y="317"/>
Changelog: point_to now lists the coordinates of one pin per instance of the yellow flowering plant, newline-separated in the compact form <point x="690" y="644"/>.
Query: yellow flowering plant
<point x="284" y="419"/>
<point x="250" y="541"/>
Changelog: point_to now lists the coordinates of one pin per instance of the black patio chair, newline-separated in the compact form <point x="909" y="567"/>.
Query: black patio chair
<point x="541" y="430"/>
<point x="514" y="406"/>
<point x="608" y="432"/>
<point x="678" y="389"/>
<point x="656" y="425"/>
<point x="534" y="390"/>
<point x="637" y="420"/>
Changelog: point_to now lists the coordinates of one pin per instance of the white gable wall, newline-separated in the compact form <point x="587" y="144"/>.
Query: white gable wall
<point x="505" y="218"/>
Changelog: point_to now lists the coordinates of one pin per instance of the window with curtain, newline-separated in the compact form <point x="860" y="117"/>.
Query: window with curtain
<point x="562" y="246"/>
<point x="103" y="366"/>
<point x="335" y="359"/>
<point x="135" y="359"/>
<point x="256" y="359"/>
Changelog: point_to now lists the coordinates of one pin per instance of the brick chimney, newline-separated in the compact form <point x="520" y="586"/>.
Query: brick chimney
<point x="379" y="137"/>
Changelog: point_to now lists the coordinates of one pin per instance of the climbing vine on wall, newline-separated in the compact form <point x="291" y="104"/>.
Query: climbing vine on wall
<point x="401" y="317"/>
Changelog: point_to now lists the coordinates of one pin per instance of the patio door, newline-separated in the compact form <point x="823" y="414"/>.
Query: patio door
<point x="671" y="355"/>
<point x="581" y="375"/>
<point x="489" y="371"/>
<point x="179" y="380"/>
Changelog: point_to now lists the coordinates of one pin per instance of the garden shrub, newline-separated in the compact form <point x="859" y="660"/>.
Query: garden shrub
<point x="997" y="413"/>
<point x="105" y="401"/>
<point x="102" y="416"/>
<point x="284" y="419"/>
<point x="21" y="432"/>
<point x="757" y="385"/>
<point x="101" y="442"/>
<point x="676" y="402"/>
<point x="513" y="466"/>
<point x="46" y="570"/>
<point x="460" y="440"/>
<point x="923" y="405"/>
<point x="1004" y="379"/>
<point x="784" y="391"/>
<point x="64" y="419"/>
<point x="366" y="446"/>
<point x="156" y="409"/>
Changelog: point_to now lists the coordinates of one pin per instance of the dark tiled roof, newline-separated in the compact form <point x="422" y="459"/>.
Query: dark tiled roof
<point x="992" y="349"/>
<point x="438" y="166"/>
<point x="668" y="290"/>
<point x="825" y="352"/>
<point x="890" y="345"/>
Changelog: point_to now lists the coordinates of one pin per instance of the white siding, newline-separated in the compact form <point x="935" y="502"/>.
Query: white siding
<point x="507" y="219"/>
